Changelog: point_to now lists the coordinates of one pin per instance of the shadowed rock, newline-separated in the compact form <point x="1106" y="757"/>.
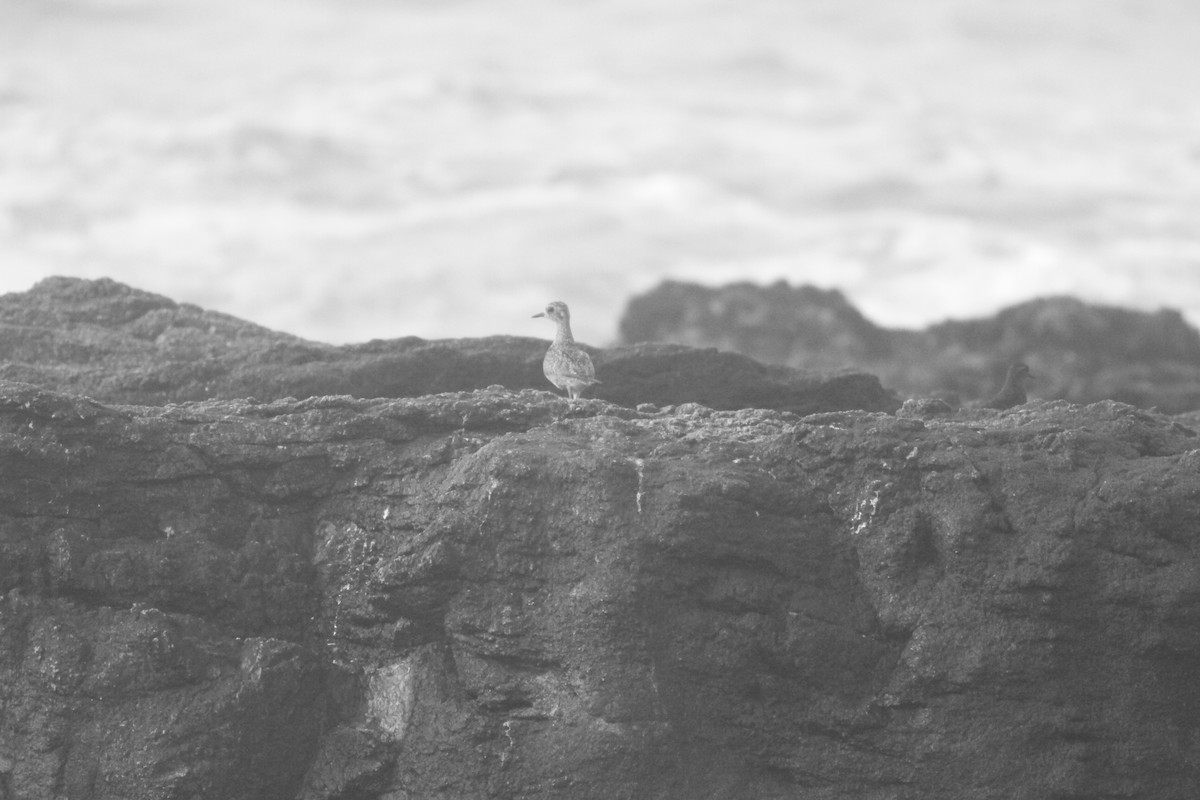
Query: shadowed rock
<point x="468" y="596"/>
<point x="1012" y="392"/>
<point x="1082" y="352"/>
<point x="114" y="343"/>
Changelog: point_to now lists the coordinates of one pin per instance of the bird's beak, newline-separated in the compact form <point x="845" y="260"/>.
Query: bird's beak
<point x="539" y="314"/>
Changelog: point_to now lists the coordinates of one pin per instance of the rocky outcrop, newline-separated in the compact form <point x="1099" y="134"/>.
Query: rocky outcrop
<point x="498" y="594"/>
<point x="1080" y="352"/>
<point x="118" y="344"/>
<point x="778" y="324"/>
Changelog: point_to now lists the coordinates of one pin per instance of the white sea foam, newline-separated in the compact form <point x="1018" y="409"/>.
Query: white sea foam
<point x="356" y="170"/>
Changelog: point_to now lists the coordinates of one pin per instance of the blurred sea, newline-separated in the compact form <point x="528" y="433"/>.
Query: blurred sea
<point x="356" y="169"/>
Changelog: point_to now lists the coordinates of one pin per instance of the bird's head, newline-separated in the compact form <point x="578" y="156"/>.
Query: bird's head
<point x="1019" y="372"/>
<point x="556" y="310"/>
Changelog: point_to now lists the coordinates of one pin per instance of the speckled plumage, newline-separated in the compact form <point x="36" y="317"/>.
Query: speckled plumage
<point x="566" y="365"/>
<point x="1013" y="391"/>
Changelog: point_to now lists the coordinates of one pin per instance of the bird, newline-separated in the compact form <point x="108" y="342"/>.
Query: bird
<point x="1013" y="391"/>
<point x="566" y="365"/>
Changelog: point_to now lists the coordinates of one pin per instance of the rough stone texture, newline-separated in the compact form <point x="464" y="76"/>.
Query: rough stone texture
<point x="498" y="594"/>
<point x="1079" y="352"/>
<point x="117" y="344"/>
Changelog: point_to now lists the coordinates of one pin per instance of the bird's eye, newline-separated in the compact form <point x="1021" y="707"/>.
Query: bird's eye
<point x="549" y="309"/>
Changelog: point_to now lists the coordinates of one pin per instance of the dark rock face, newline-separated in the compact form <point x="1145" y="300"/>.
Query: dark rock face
<point x="1080" y="352"/>
<point x="117" y="344"/>
<point x="777" y="324"/>
<point x="501" y="595"/>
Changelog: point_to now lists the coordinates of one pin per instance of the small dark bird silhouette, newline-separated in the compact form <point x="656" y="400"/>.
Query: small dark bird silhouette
<point x="566" y="365"/>
<point x="1013" y="391"/>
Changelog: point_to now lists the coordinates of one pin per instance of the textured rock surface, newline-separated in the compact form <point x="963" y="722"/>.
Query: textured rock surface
<point x="1080" y="352"/>
<point x="498" y="595"/>
<point x="117" y="344"/>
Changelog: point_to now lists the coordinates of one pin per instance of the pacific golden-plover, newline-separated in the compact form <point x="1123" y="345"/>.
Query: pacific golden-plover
<point x="566" y="365"/>
<point x="1013" y="391"/>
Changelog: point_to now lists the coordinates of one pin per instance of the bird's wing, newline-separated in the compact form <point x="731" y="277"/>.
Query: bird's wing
<point x="578" y="365"/>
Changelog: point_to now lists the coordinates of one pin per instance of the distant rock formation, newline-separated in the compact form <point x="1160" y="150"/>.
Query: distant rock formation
<point x="1080" y="352"/>
<point x="123" y="345"/>
<point x="779" y="324"/>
